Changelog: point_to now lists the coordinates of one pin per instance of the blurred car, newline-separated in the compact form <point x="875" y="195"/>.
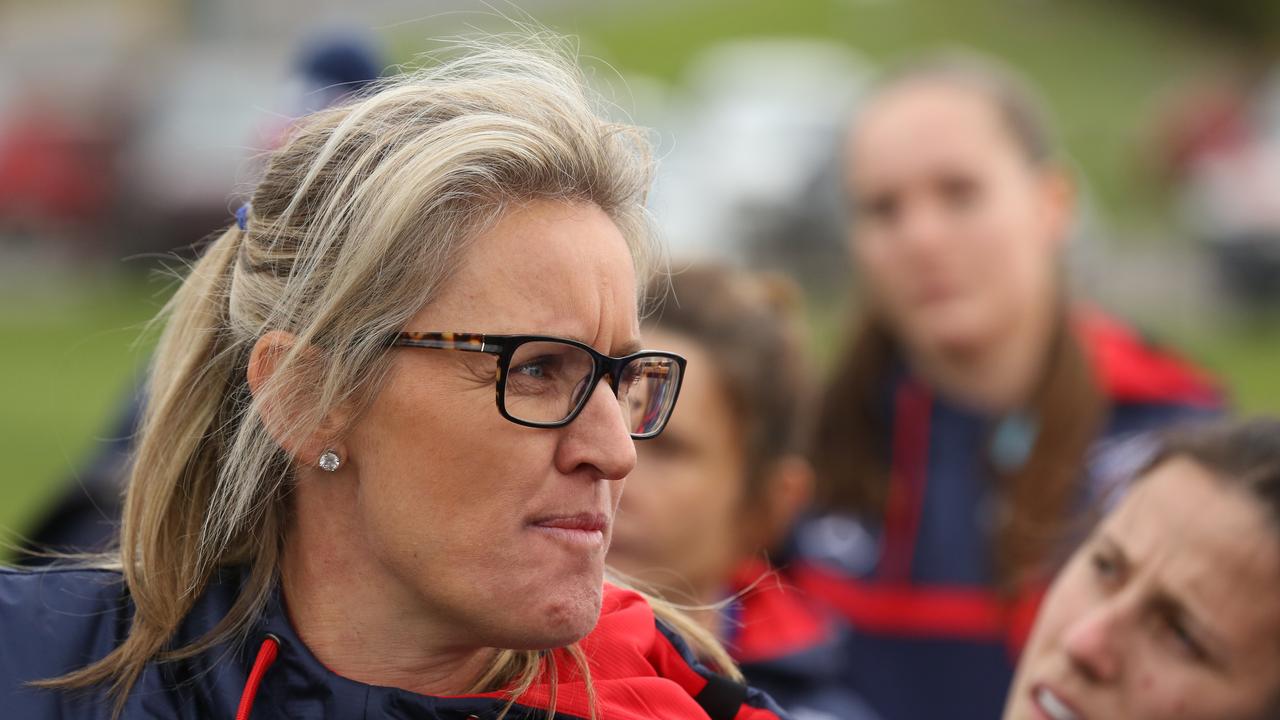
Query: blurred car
<point x="194" y="144"/>
<point x="752" y="175"/>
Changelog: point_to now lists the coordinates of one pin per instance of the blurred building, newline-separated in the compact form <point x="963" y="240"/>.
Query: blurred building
<point x="753" y="174"/>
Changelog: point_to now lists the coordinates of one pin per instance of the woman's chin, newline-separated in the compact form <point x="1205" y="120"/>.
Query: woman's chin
<point x="558" y="620"/>
<point x="573" y="617"/>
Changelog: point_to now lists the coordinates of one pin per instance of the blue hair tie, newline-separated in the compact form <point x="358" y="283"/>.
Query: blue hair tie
<point x="242" y="217"/>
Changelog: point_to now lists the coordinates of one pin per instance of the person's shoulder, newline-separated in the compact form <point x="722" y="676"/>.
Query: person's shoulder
<point x="790" y="647"/>
<point x="771" y="619"/>
<point x="634" y="654"/>
<point x="54" y="620"/>
<point x="1132" y="370"/>
<point x="34" y="592"/>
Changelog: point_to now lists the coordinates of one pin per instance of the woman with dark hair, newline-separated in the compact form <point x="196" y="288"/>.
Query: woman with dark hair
<point x="952" y="443"/>
<point x="1169" y="610"/>
<point x="717" y="493"/>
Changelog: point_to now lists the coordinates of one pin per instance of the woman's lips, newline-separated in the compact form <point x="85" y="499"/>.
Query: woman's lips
<point x="934" y="294"/>
<point x="580" y="529"/>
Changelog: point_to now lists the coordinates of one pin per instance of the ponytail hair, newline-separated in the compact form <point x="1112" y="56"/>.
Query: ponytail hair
<point x="359" y="219"/>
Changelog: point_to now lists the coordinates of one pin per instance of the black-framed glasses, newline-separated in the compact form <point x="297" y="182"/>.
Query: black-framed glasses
<point x="545" y="381"/>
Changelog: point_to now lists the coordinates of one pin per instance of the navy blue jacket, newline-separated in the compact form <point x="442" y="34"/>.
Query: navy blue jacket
<point x="56" y="620"/>
<point x="931" y="636"/>
<point x="789" y="646"/>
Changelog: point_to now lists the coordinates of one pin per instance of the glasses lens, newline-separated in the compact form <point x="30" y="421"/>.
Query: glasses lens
<point x="546" y="381"/>
<point x="647" y="390"/>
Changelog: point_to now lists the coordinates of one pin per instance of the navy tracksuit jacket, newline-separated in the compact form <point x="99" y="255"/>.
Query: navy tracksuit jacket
<point x="53" y="621"/>
<point x="930" y="635"/>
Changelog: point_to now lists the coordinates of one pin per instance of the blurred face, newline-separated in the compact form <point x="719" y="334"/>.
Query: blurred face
<point x="496" y="530"/>
<point x="678" y="524"/>
<point x="955" y="232"/>
<point x="1169" y="612"/>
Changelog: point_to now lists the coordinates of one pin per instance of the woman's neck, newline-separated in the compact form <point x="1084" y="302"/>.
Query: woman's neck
<point x="349" y="614"/>
<point x="998" y="375"/>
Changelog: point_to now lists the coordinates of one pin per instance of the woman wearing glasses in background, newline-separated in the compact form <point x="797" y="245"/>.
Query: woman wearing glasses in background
<point x="952" y="442"/>
<point x="328" y="515"/>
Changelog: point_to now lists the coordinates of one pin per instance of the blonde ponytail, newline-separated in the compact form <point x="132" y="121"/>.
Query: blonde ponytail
<point x="357" y="222"/>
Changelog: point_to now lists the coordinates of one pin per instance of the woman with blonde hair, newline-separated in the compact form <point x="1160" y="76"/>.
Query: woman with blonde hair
<point x="328" y="514"/>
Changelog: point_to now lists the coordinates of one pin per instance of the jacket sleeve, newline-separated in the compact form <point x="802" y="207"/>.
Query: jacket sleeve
<point x="53" y="622"/>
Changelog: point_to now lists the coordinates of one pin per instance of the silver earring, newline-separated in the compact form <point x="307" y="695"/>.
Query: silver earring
<point x="329" y="461"/>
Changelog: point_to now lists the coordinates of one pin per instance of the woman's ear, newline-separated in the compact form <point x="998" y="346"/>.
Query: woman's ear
<point x="1058" y="193"/>
<point x="280" y="389"/>
<point x="787" y="491"/>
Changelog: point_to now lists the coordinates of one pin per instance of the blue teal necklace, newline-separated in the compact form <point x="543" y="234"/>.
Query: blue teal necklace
<point x="1012" y="440"/>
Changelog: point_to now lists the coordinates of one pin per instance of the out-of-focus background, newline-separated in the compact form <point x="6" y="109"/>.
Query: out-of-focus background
<point x="128" y="131"/>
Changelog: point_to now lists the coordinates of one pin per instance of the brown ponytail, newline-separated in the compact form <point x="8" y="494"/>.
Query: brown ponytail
<point x="852" y="435"/>
<point x="1034" y="501"/>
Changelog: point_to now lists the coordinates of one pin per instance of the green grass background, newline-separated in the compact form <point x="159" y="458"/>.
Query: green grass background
<point x="72" y="347"/>
<point x="69" y="344"/>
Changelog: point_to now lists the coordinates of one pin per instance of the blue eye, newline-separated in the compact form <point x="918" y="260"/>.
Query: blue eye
<point x="533" y="370"/>
<point x="542" y="367"/>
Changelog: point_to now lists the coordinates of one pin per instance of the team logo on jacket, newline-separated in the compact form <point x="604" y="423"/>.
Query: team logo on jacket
<point x="840" y="541"/>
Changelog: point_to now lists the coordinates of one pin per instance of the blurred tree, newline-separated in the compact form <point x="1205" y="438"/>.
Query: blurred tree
<point x="1253" y="21"/>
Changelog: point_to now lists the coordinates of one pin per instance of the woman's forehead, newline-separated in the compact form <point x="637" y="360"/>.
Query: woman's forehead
<point x="901" y="114"/>
<point x="915" y="128"/>
<point x="1209" y="545"/>
<point x="547" y="267"/>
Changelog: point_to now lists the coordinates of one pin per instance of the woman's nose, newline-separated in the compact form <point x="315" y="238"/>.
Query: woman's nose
<point x="922" y="228"/>
<point x="1094" y="643"/>
<point x="599" y="438"/>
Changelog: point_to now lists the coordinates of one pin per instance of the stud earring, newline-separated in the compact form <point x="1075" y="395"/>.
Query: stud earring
<point x="329" y="461"/>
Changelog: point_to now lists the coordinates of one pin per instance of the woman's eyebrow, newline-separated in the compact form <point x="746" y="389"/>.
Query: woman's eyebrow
<point x="1179" y="609"/>
<point x="1106" y="541"/>
<point x="628" y="348"/>
<point x="1168" y="603"/>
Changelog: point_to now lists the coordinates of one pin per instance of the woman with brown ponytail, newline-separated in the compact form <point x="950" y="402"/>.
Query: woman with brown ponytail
<point x="388" y="425"/>
<point x="953" y="444"/>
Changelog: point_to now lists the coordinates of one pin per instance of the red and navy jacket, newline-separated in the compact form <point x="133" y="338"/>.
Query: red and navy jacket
<point x="931" y="636"/>
<point x="56" y="620"/>
<point x="789" y="646"/>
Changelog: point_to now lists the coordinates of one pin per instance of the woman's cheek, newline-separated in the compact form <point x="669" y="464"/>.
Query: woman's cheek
<point x="1164" y="701"/>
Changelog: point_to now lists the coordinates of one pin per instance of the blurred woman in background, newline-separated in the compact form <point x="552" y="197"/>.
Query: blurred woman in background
<point x="1169" y="610"/>
<point x="387" y="427"/>
<point x="721" y="487"/>
<point x="952" y="444"/>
